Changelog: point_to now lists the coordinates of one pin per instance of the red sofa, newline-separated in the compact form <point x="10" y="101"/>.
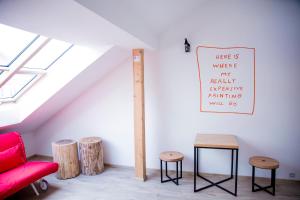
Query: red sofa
<point x="15" y="171"/>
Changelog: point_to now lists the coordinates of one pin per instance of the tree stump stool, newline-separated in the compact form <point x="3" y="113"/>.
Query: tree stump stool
<point x="264" y="163"/>
<point x="65" y="153"/>
<point x="170" y="156"/>
<point x="91" y="155"/>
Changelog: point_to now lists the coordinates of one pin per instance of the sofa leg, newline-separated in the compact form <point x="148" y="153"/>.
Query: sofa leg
<point x="34" y="189"/>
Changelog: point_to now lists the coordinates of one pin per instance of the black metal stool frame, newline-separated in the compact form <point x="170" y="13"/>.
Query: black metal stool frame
<point x="265" y="188"/>
<point x="196" y="171"/>
<point x="174" y="180"/>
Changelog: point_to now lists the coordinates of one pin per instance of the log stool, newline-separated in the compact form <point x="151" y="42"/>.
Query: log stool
<point x="264" y="163"/>
<point x="91" y="155"/>
<point x="170" y="156"/>
<point x="65" y="153"/>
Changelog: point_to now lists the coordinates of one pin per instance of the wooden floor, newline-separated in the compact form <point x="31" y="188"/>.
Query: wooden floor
<point x="118" y="183"/>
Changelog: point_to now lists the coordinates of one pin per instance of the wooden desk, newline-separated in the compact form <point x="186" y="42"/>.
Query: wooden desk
<point x="216" y="141"/>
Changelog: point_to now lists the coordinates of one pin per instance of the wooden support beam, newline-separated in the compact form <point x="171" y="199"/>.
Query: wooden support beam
<point x="139" y="114"/>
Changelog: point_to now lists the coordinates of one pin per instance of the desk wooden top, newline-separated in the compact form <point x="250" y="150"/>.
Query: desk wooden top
<point x="216" y="141"/>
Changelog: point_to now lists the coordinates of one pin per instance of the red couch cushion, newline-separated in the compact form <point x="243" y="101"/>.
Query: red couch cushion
<point x="7" y="141"/>
<point x="15" y="179"/>
<point x="11" y="158"/>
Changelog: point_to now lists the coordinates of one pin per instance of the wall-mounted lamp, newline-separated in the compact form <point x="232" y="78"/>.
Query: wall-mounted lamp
<point x="187" y="46"/>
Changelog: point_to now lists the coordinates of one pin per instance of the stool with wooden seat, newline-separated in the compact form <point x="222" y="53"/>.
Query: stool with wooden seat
<point x="170" y="156"/>
<point x="264" y="163"/>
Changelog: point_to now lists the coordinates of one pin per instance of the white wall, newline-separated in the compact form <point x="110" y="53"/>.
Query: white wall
<point x="172" y="93"/>
<point x="272" y="27"/>
<point x="29" y="142"/>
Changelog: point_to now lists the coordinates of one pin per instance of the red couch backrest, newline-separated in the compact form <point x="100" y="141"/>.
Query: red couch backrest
<point x="12" y="151"/>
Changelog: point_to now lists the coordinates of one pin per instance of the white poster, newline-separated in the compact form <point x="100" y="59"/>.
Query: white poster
<point x="227" y="79"/>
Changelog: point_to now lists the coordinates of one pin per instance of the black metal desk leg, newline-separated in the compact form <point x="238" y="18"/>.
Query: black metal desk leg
<point x="181" y="169"/>
<point x="273" y="176"/>
<point x="231" y="174"/>
<point x="177" y="172"/>
<point x="166" y="164"/>
<point x="253" y="178"/>
<point x="161" y="172"/>
<point x="195" y="168"/>
<point x="197" y="155"/>
<point x="236" y="170"/>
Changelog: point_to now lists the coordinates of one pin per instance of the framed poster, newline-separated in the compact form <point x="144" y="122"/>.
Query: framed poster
<point x="227" y="79"/>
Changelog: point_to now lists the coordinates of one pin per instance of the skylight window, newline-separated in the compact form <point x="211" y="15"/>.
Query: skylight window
<point x="24" y="58"/>
<point x="15" y="84"/>
<point x="12" y="43"/>
<point x="48" y="55"/>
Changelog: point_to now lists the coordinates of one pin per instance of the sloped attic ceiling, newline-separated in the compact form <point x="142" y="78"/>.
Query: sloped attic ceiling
<point x="143" y="19"/>
<point x="65" y="20"/>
